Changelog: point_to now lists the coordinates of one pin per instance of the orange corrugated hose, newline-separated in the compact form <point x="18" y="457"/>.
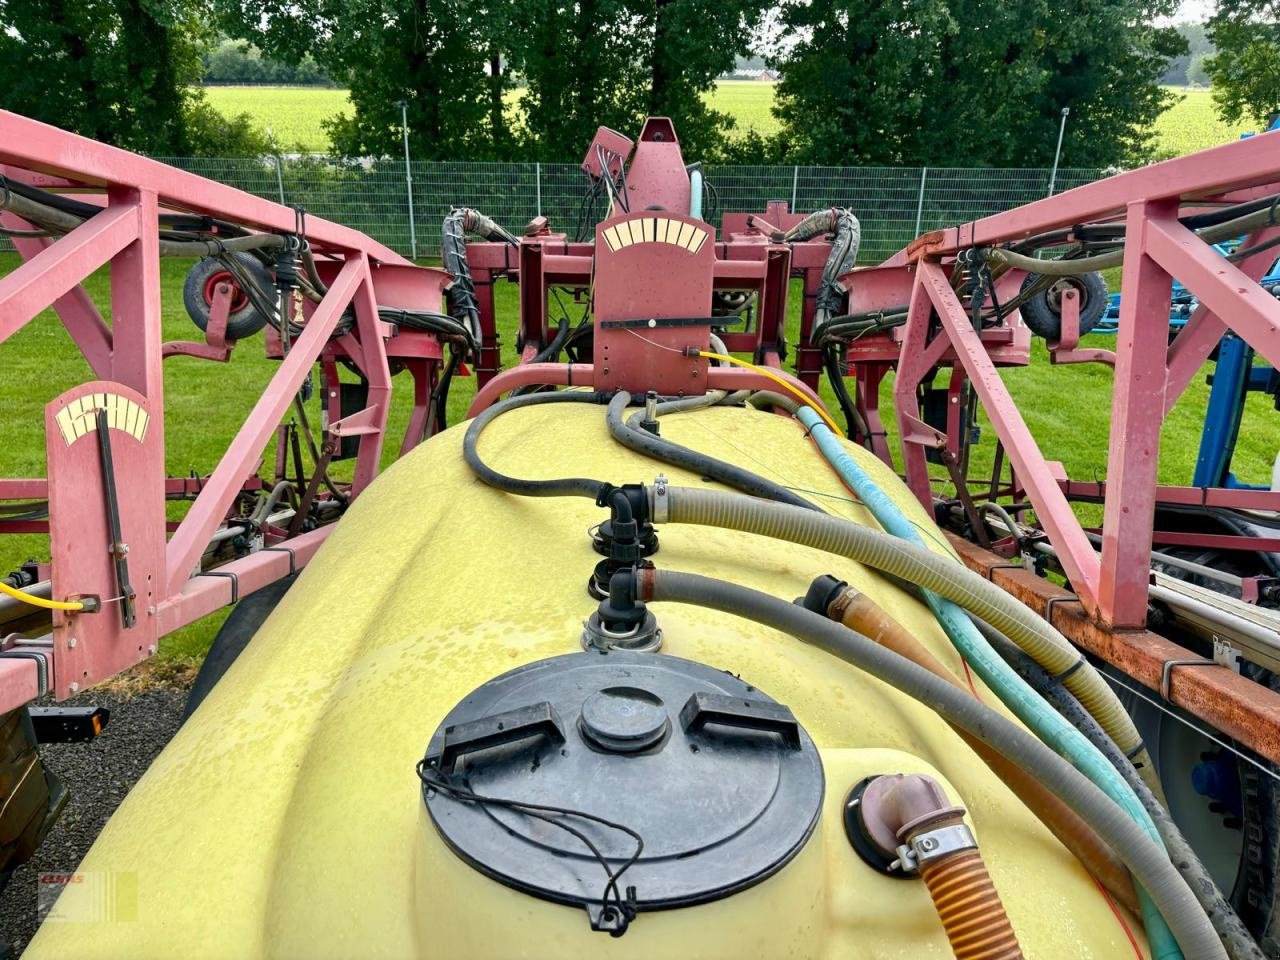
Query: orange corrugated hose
<point x="859" y="612"/>
<point x="970" y="908"/>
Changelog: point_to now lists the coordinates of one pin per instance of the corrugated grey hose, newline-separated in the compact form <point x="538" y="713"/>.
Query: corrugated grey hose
<point x="1235" y="936"/>
<point x="942" y="575"/>
<point x="642" y="441"/>
<point x="1148" y="863"/>
<point x="843" y="256"/>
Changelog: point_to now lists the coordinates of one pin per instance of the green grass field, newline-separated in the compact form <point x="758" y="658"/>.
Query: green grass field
<point x="294" y="114"/>
<point x="1067" y="408"/>
<point x="291" y="115"/>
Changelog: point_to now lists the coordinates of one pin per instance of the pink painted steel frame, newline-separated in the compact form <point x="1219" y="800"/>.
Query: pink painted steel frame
<point x="1150" y="374"/>
<point x="130" y="352"/>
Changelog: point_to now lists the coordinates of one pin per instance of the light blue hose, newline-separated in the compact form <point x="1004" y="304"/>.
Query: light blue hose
<point x="695" y="194"/>
<point x="1013" y="691"/>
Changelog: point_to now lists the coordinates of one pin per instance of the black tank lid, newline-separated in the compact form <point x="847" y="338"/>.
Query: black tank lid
<point x="718" y="779"/>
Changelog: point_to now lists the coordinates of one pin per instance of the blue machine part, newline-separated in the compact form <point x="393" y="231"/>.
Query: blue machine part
<point x="1233" y="378"/>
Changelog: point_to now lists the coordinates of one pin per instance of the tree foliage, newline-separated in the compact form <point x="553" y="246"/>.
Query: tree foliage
<point x="1245" y="71"/>
<point x="236" y="61"/>
<point x="961" y="82"/>
<point x="119" y="71"/>
<point x="1189" y="67"/>
<point x="580" y="64"/>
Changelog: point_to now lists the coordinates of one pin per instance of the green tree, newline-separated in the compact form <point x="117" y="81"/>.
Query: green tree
<point x="119" y="71"/>
<point x="581" y="70"/>
<point x="236" y="61"/>
<point x="612" y="62"/>
<point x="1245" y="71"/>
<point x="961" y="82"/>
<point x="432" y="54"/>
<point x="1181" y="68"/>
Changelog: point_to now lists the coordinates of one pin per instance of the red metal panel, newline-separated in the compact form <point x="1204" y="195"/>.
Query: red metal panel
<point x="652" y="266"/>
<point x="656" y="177"/>
<point x="88" y="647"/>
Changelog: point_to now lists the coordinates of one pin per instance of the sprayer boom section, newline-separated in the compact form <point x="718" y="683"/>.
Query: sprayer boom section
<point x="647" y="296"/>
<point x="122" y="575"/>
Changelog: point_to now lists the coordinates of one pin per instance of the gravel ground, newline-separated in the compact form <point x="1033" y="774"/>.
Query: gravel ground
<point x="99" y="774"/>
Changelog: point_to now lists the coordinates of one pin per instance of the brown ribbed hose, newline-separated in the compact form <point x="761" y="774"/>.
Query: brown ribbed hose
<point x="859" y="612"/>
<point x="969" y="907"/>
<point x="914" y="810"/>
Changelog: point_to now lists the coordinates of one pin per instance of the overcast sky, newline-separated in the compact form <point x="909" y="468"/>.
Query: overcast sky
<point x="1195" y="10"/>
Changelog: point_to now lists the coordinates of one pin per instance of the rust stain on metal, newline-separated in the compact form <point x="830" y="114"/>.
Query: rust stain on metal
<point x="1240" y="708"/>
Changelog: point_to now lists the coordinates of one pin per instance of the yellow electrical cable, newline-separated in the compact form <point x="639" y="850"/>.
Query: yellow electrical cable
<point x="803" y="397"/>
<point x="40" y="601"/>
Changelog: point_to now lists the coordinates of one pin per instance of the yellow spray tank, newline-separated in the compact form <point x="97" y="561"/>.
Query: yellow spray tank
<point x="288" y="818"/>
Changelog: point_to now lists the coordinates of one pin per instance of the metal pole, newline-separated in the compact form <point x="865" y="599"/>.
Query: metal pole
<point x="1062" y="127"/>
<point x="924" y="172"/>
<point x="408" y="176"/>
<point x="795" y="183"/>
<point x="279" y="179"/>
<point x="537" y="185"/>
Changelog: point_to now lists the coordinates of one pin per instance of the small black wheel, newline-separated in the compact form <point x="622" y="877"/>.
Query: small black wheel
<point x="234" y="635"/>
<point x="202" y="280"/>
<point x="1043" y="312"/>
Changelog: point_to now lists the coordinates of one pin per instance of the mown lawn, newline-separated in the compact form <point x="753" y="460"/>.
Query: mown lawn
<point x="1067" y="408"/>
<point x="294" y="114"/>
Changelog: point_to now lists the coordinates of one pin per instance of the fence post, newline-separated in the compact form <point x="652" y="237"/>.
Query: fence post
<point x="924" y="173"/>
<point x="795" y="184"/>
<point x="279" y="178"/>
<point x="408" y="177"/>
<point x="537" y="185"/>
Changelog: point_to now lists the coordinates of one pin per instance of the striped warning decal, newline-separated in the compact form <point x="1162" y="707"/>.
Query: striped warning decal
<point x="656" y="230"/>
<point x="79" y="417"/>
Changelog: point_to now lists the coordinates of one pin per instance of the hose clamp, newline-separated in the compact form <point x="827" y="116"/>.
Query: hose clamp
<point x="933" y="845"/>
<point x="661" y="500"/>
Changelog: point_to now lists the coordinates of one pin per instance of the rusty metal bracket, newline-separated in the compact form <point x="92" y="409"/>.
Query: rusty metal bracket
<point x="1052" y="601"/>
<point x="1166" y="672"/>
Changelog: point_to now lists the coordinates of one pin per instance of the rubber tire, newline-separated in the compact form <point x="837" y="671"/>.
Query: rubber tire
<point x="1256" y="896"/>
<point x="234" y="635"/>
<point x="241" y="323"/>
<point x="1045" y="320"/>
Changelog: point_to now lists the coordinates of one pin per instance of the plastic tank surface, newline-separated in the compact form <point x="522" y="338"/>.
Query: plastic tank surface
<point x="286" y="818"/>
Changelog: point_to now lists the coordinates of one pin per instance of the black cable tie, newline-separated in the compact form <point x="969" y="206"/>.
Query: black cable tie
<point x="1136" y="750"/>
<point x="1049" y="604"/>
<point x="1060" y="677"/>
<point x="235" y="582"/>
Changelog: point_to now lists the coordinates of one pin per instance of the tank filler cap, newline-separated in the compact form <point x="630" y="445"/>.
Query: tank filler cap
<point x="720" y="782"/>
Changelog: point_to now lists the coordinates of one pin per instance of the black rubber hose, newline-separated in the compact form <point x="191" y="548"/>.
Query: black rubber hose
<point x="641" y="441"/>
<point x="1150" y="865"/>
<point x="1235" y="936"/>
<point x="564" y="487"/>
<point x="854" y="424"/>
<point x="548" y="354"/>
<point x="552" y="349"/>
